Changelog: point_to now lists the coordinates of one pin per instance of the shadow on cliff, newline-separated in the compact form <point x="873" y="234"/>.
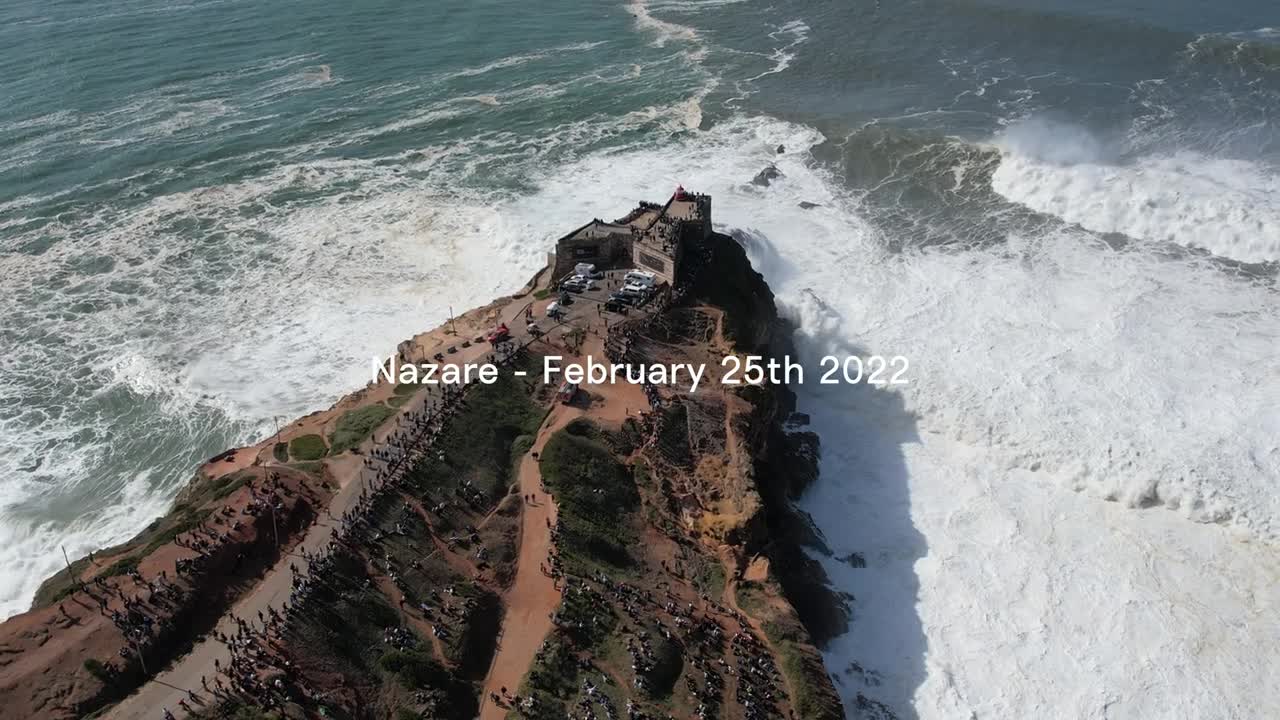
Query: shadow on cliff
<point x="860" y="505"/>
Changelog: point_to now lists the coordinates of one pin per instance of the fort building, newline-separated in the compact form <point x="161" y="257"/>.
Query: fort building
<point x="653" y="237"/>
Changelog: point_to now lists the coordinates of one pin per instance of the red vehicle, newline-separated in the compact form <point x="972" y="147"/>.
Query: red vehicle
<point x="498" y="334"/>
<point x="568" y="391"/>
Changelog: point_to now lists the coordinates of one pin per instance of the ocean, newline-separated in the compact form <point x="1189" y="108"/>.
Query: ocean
<point x="1064" y="213"/>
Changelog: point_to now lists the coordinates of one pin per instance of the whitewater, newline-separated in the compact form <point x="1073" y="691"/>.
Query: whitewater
<point x="1070" y="510"/>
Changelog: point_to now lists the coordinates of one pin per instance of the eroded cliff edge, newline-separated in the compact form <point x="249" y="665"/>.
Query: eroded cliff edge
<point x="708" y="520"/>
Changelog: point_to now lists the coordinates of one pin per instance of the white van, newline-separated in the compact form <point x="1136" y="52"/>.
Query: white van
<point x="637" y="277"/>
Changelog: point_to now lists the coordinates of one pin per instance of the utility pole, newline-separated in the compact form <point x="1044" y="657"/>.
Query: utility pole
<point x="70" y="575"/>
<point x="453" y="330"/>
<point x="142" y="662"/>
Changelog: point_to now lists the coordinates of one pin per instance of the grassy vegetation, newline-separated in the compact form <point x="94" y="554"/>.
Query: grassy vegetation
<point x="61" y="584"/>
<point x="708" y="576"/>
<point x="553" y="678"/>
<point x="97" y="669"/>
<point x="280" y="451"/>
<point x="596" y="496"/>
<point x="481" y="441"/>
<point x="407" y="389"/>
<point x="803" y="669"/>
<point x="520" y="446"/>
<point x="345" y="619"/>
<point x="413" y="668"/>
<point x="425" y="571"/>
<point x="231" y="485"/>
<point x="500" y="537"/>
<point x="307" y="447"/>
<point x="587" y="618"/>
<point x="668" y="663"/>
<point x="122" y="566"/>
<point x="750" y="597"/>
<point x="208" y="490"/>
<point x="185" y="521"/>
<point x="313" y="467"/>
<point x="343" y="626"/>
<point x="356" y="425"/>
<point x="58" y="595"/>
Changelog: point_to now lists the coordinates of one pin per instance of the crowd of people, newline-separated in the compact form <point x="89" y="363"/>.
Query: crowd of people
<point x="259" y="671"/>
<point x="143" y="608"/>
<point x="660" y="630"/>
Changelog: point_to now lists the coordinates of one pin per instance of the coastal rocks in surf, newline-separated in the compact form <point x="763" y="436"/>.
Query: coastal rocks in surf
<point x="806" y="205"/>
<point x="767" y="176"/>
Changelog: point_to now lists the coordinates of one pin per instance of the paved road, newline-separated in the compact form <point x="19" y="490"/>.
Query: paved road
<point x="183" y="677"/>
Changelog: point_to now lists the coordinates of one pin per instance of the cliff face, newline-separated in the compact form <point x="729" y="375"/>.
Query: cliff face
<point x="70" y="655"/>
<point x="676" y="540"/>
<point x="782" y="464"/>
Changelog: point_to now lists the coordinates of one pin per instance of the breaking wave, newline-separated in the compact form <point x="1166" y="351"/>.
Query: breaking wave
<point x="1249" y="50"/>
<point x="1071" y="408"/>
<point x="1226" y="206"/>
<point x="664" y="30"/>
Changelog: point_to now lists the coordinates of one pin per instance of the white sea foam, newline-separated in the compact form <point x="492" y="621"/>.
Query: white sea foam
<point x="1049" y="376"/>
<point x="520" y="60"/>
<point x="782" y="56"/>
<point x="664" y="30"/>
<point x="290" y="305"/>
<point x="306" y="294"/>
<point x="1228" y="207"/>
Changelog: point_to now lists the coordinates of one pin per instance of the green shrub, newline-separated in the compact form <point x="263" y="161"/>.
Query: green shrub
<point x="187" y="521"/>
<point x="355" y="426"/>
<point x="414" y="669"/>
<point x="407" y="389"/>
<point x="307" y="447"/>
<point x="120" y="567"/>
<point x="596" y="496"/>
<point x="97" y="669"/>
<point x="232" y="484"/>
<point x="483" y="441"/>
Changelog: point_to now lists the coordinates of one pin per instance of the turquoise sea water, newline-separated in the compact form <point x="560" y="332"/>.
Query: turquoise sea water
<point x="212" y="214"/>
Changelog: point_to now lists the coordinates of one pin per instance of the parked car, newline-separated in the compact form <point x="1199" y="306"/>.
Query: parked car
<point x="568" y="391"/>
<point x="576" y="284"/>
<point x="639" y="277"/>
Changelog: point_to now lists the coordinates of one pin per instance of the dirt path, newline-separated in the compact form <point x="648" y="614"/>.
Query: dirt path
<point x="533" y="596"/>
<point x="730" y="599"/>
